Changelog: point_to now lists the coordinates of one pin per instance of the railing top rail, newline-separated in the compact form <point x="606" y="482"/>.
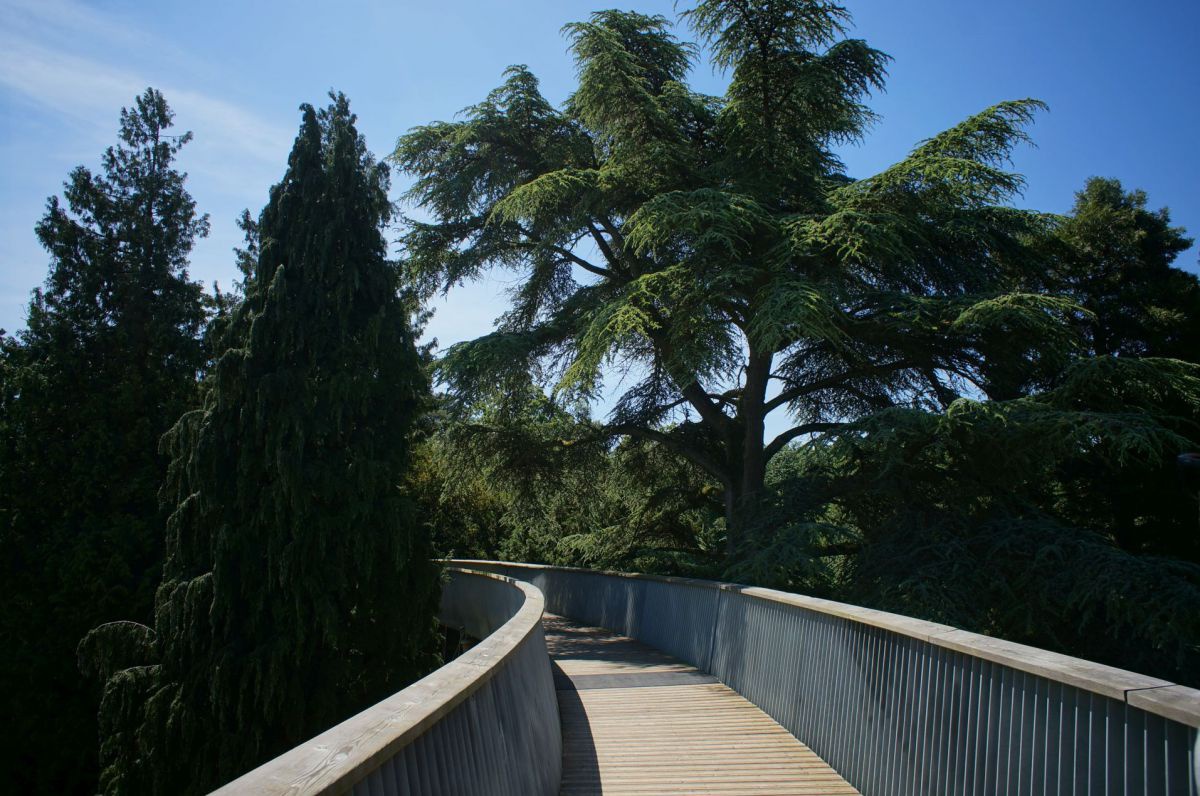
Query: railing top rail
<point x="1161" y="697"/>
<point x="336" y="759"/>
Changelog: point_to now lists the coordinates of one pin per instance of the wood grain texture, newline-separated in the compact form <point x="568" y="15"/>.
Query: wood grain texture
<point x="688" y="738"/>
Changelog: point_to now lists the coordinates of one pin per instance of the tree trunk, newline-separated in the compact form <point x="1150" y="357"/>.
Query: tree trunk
<point x="748" y="466"/>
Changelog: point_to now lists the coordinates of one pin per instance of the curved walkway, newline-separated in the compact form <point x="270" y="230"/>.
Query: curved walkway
<point x="637" y="721"/>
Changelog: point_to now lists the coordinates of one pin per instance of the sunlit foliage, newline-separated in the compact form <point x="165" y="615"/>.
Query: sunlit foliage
<point x="713" y="249"/>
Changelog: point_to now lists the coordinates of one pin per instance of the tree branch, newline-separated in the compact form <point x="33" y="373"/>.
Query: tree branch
<point x="783" y="439"/>
<point x="727" y="398"/>
<point x="697" y="457"/>
<point x="613" y="232"/>
<point x="710" y="412"/>
<point x="799" y="391"/>
<point x="602" y="244"/>
<point x="696" y="395"/>
<point x="944" y="394"/>
<point x="566" y="254"/>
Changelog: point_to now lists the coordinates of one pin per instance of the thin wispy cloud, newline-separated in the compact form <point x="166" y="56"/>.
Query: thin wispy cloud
<point x="64" y="20"/>
<point x="40" y="62"/>
<point x="66" y="69"/>
<point x="61" y="82"/>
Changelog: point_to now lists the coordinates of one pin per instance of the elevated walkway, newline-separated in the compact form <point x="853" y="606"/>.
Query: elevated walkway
<point x="637" y="721"/>
<point x="646" y="684"/>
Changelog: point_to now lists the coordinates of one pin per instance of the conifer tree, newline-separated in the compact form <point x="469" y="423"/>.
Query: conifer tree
<point x="714" y="252"/>
<point x="714" y="248"/>
<point x="107" y="364"/>
<point x="1118" y="266"/>
<point x="1055" y="519"/>
<point x="297" y="587"/>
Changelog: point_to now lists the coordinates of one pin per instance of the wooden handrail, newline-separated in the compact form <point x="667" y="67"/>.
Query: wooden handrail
<point x="337" y="759"/>
<point x="1161" y="697"/>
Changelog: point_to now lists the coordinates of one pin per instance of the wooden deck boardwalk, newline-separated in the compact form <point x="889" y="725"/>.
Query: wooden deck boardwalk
<point x="637" y="721"/>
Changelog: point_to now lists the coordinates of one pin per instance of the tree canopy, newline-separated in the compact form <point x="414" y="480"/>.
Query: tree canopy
<point x="977" y="411"/>
<point x="107" y="363"/>
<point x="297" y="586"/>
<point x="1118" y="265"/>
<point x="976" y="396"/>
<point x="712" y="248"/>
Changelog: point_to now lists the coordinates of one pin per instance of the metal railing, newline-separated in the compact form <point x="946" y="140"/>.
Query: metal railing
<point x="898" y="705"/>
<point x="485" y="723"/>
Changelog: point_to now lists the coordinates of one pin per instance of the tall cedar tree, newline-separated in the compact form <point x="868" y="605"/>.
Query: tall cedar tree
<point x="107" y="364"/>
<point x="298" y="586"/>
<point x="712" y="247"/>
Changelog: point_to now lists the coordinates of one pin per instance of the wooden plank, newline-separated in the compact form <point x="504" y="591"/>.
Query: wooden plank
<point x="648" y="731"/>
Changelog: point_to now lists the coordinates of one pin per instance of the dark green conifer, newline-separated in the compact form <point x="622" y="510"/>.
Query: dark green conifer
<point x="107" y="364"/>
<point x="1118" y="265"/>
<point x="297" y="587"/>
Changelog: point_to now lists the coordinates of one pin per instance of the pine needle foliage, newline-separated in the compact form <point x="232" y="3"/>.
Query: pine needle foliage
<point x="107" y="363"/>
<point x="524" y="480"/>
<point x="1053" y="519"/>
<point x="1115" y="257"/>
<point x="713" y="249"/>
<point x="297" y="587"/>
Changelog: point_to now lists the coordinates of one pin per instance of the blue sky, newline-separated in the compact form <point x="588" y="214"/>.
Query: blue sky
<point x="1122" y="81"/>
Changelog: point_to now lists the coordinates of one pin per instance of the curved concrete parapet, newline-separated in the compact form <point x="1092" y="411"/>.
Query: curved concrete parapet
<point x="485" y="723"/>
<point x="899" y="705"/>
